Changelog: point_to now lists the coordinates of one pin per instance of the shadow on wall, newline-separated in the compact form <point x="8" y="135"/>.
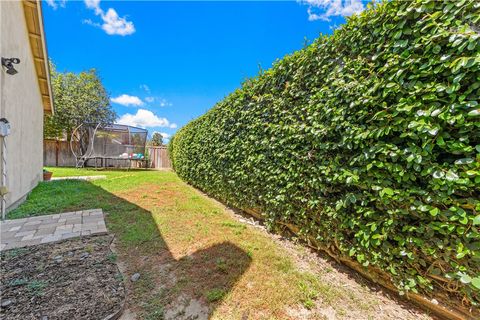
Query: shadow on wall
<point x="190" y="287"/>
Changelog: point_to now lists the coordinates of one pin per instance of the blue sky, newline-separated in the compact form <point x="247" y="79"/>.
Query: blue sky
<point x="166" y="63"/>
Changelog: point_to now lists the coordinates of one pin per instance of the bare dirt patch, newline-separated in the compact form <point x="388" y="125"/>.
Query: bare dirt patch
<point x="72" y="279"/>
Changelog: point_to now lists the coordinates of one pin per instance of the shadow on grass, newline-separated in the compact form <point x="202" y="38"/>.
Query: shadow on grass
<point x="190" y="287"/>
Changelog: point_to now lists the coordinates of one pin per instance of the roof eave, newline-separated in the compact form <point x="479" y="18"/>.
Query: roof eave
<point x="34" y="22"/>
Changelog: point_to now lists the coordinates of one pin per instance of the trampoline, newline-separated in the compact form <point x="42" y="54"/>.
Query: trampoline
<point x="109" y="145"/>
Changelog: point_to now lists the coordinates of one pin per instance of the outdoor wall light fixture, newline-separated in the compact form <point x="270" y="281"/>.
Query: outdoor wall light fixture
<point x="8" y="63"/>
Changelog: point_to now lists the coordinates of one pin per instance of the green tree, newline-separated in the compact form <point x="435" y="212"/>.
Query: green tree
<point x="157" y="139"/>
<point x="78" y="98"/>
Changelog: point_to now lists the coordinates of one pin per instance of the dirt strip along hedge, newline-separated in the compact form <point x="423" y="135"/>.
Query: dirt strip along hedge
<point x="367" y="140"/>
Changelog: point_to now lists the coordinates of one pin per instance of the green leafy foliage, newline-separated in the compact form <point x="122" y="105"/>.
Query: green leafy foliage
<point x="367" y="140"/>
<point x="157" y="139"/>
<point x="78" y="98"/>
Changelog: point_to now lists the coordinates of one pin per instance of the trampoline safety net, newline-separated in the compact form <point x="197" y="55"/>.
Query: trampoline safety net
<point x="112" y="142"/>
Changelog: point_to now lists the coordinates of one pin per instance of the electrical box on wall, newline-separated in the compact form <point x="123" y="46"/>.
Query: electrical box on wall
<point x="4" y="127"/>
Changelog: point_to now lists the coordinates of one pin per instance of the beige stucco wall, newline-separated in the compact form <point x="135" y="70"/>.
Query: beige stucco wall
<point x="21" y="105"/>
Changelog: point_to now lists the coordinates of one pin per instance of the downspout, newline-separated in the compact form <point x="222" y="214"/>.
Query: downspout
<point x="3" y="188"/>
<point x="3" y="154"/>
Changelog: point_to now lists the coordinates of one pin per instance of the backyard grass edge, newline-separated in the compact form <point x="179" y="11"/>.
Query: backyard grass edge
<point x="440" y="309"/>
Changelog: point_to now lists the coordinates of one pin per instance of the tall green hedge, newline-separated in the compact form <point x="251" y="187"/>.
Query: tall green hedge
<point x="368" y="140"/>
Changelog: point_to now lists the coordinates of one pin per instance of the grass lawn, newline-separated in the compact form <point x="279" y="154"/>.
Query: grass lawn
<point x="188" y="247"/>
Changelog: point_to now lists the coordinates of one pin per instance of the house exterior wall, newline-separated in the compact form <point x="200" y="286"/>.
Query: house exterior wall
<point x="21" y="105"/>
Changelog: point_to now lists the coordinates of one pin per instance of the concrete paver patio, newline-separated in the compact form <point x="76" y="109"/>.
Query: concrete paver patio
<point x="49" y="228"/>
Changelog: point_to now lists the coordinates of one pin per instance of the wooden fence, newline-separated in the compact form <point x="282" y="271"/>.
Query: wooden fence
<point x="159" y="157"/>
<point x="58" y="154"/>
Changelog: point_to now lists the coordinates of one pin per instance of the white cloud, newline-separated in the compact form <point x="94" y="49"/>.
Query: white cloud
<point x="126" y="100"/>
<point x="56" y="3"/>
<point x="324" y="9"/>
<point x="145" y="88"/>
<point x="90" y="22"/>
<point x="145" y="119"/>
<point x="95" y="5"/>
<point x="162" y="102"/>
<point x="165" y="135"/>
<point x="112" y="23"/>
